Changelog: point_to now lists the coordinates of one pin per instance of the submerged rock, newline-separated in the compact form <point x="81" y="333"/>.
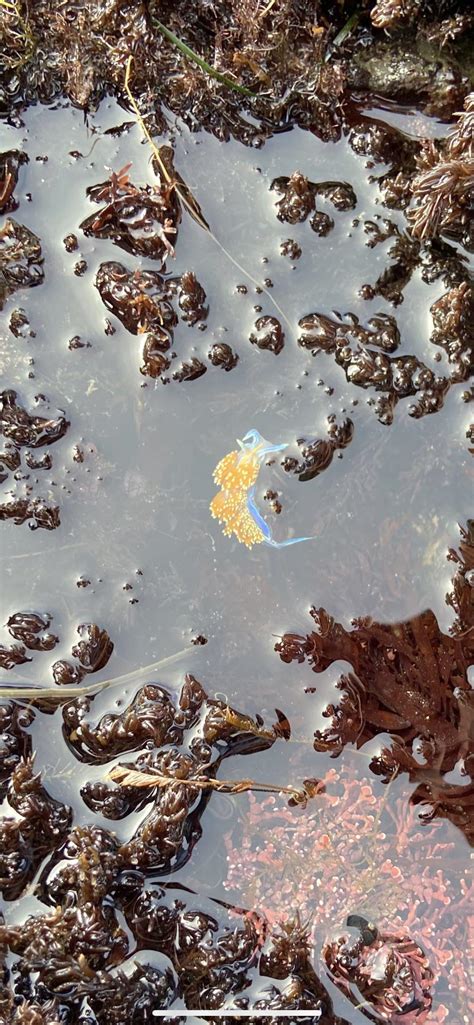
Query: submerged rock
<point x="400" y="70"/>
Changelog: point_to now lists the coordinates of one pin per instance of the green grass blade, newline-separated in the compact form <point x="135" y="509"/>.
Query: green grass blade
<point x="170" y="36"/>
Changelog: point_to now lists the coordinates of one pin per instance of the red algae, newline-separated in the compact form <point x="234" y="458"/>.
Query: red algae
<point x="359" y="849"/>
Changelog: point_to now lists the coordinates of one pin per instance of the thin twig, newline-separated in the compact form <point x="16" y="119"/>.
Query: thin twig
<point x="57" y="693"/>
<point x="134" y="778"/>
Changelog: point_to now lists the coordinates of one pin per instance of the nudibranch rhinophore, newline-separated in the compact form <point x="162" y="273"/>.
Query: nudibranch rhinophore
<point x="234" y="505"/>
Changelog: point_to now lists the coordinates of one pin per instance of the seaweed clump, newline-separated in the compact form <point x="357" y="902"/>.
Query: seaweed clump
<point x="30" y="628"/>
<point x="444" y="186"/>
<point x="409" y="680"/>
<point x="21" y="259"/>
<point x="142" y="301"/>
<point x="250" y="49"/>
<point x="71" y="961"/>
<point x="288" y="59"/>
<point x="359" y="855"/>
<point x="366" y="354"/>
<point x="40" y="824"/>
<point x="316" y="454"/>
<point x="299" y="197"/>
<point x="204" y="955"/>
<point x="143" y="221"/>
<point x="91" y="653"/>
<point x="165" y="838"/>
<point x="24" y="430"/>
<point x="10" y="163"/>
<point x="268" y="334"/>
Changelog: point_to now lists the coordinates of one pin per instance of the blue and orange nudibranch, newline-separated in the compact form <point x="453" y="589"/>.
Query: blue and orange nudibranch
<point x="234" y="505"/>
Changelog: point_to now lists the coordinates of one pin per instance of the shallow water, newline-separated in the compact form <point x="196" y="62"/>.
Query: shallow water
<point x="135" y="520"/>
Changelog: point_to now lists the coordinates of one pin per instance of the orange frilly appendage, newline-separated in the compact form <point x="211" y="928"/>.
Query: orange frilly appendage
<point x="236" y="474"/>
<point x="230" y="508"/>
<point x="237" y="471"/>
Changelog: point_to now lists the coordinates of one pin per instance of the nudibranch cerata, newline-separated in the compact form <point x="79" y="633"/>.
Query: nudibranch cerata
<point x="234" y="505"/>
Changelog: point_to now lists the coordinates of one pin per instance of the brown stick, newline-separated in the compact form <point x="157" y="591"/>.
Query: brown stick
<point x="134" y="778"/>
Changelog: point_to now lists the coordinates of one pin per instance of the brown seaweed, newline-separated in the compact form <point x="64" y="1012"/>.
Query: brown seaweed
<point x="222" y="355"/>
<point x="14" y="655"/>
<point x="409" y="680"/>
<point x="444" y="185"/>
<point x="71" y="961"/>
<point x="25" y="840"/>
<point x="191" y="299"/>
<point x="30" y="628"/>
<point x="155" y="362"/>
<point x="10" y="163"/>
<point x="21" y="259"/>
<point x="162" y="725"/>
<point x="23" y="428"/>
<point x="365" y="354"/>
<point x="190" y="370"/>
<point x="19" y="324"/>
<point x="15" y="741"/>
<point x="138" y="298"/>
<point x="299" y="197"/>
<point x="268" y="334"/>
<point x="142" y="220"/>
<point x="316" y="454"/>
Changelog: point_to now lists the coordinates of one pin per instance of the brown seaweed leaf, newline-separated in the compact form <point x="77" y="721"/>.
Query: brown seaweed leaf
<point x="36" y="512"/>
<point x="409" y="680"/>
<point x="406" y="681"/>
<point x="154" y="714"/>
<point x="16" y="741"/>
<point x="190" y="370"/>
<point x="14" y="655"/>
<point x="222" y="355"/>
<point x="94" y="648"/>
<point x="138" y="298"/>
<point x="299" y="197"/>
<point x="316" y="454"/>
<point x="364" y="355"/>
<point x="22" y="428"/>
<point x="246" y="724"/>
<point x="191" y="299"/>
